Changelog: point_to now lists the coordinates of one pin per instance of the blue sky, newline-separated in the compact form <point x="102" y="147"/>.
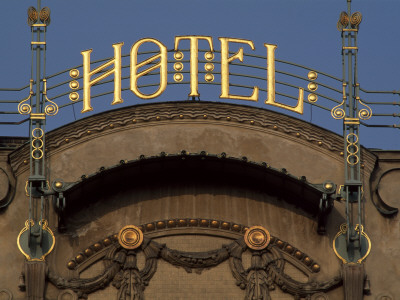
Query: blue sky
<point x="304" y="30"/>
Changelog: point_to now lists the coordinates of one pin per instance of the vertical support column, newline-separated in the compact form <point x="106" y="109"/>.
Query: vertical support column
<point x="36" y="240"/>
<point x="351" y="244"/>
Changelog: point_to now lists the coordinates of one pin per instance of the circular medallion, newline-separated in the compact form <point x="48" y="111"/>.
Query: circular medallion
<point x="257" y="238"/>
<point x="130" y="237"/>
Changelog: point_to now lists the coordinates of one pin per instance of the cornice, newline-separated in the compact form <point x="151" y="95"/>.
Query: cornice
<point x="154" y="114"/>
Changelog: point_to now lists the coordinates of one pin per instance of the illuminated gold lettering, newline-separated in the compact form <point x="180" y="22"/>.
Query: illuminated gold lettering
<point x="271" y="84"/>
<point x="87" y="74"/>
<point x="225" y="60"/>
<point x="194" y="59"/>
<point x="162" y="64"/>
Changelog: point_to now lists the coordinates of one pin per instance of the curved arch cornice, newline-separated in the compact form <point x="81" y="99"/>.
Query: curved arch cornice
<point x="200" y="168"/>
<point x="156" y="114"/>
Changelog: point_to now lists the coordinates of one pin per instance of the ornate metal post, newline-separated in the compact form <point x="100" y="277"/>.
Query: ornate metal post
<point x="351" y="244"/>
<point x="36" y="240"/>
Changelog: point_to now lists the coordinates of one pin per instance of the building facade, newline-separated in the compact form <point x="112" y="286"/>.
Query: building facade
<point x="225" y="203"/>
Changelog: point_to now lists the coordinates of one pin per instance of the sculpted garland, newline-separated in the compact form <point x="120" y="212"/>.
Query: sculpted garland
<point x="266" y="272"/>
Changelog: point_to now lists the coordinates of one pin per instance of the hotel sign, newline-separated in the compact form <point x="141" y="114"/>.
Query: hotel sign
<point x="159" y="62"/>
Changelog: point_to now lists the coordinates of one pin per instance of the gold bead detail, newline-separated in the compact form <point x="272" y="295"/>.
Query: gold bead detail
<point x="209" y="67"/>
<point x="204" y="223"/>
<point x="178" y="66"/>
<point x="225" y="225"/>
<point x="289" y="249"/>
<point x="178" y="77"/>
<point x="312" y="75"/>
<point x="298" y="254"/>
<point x="236" y="227"/>
<point x="307" y="261"/>
<point x="312" y="98"/>
<point x="71" y="265"/>
<point x="312" y="86"/>
<point x="150" y="226"/>
<point x="74" y="96"/>
<point x="74" y="73"/>
<point x="79" y="258"/>
<point x="214" y="224"/>
<point x="252" y="122"/>
<point x="160" y="225"/>
<point x="319" y="143"/>
<point x="316" y="268"/>
<point x="178" y="55"/>
<point x="193" y="222"/>
<point x="204" y="116"/>
<point x="298" y="134"/>
<point x="275" y="127"/>
<point x="74" y="84"/>
<point x="209" y="77"/>
<point x="97" y="246"/>
<point x="209" y="55"/>
<point x="228" y="118"/>
<point x="58" y="185"/>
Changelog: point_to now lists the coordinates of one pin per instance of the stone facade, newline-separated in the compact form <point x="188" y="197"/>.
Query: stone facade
<point x="193" y="177"/>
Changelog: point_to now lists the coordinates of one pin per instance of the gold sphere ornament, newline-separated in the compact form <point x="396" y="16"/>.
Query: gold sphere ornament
<point x="209" y="67"/>
<point x="130" y="237"/>
<point x="74" y="73"/>
<point x="178" y="77"/>
<point x="209" y="77"/>
<point x="209" y="55"/>
<point x="312" y="86"/>
<point x="74" y="84"/>
<point x="74" y="96"/>
<point x="58" y="184"/>
<point x="178" y="55"/>
<point x="178" y="66"/>
<point x="312" y="98"/>
<point x="312" y="75"/>
<point x="257" y="238"/>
